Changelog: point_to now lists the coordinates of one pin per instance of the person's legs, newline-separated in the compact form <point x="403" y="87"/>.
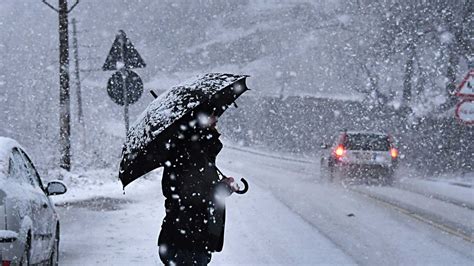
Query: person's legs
<point x="201" y="257"/>
<point x="208" y="256"/>
<point x="167" y="254"/>
<point x="185" y="257"/>
<point x="171" y="253"/>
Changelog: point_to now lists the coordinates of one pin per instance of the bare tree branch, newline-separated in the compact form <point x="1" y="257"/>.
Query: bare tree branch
<point x="52" y="7"/>
<point x="73" y="6"/>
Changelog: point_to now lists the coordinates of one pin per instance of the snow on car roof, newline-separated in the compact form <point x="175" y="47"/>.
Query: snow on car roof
<point x="6" y="145"/>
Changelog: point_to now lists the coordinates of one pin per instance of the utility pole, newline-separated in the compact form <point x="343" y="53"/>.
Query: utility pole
<point x="75" y="48"/>
<point x="80" y="116"/>
<point x="64" y="99"/>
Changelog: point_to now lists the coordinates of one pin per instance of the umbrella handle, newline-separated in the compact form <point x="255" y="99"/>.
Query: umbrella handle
<point x="245" y="189"/>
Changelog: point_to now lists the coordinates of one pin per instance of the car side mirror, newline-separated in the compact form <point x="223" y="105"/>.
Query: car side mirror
<point x="56" y="188"/>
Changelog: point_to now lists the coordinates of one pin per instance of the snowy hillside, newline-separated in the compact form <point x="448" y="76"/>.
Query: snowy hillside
<point x="327" y="49"/>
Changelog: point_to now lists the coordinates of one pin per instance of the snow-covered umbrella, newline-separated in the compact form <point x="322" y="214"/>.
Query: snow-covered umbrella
<point x="149" y="139"/>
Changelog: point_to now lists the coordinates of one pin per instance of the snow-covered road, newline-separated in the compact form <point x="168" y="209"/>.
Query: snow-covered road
<point x="290" y="216"/>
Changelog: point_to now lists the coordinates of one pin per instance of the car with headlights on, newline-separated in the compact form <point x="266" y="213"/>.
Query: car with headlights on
<point x="361" y="154"/>
<point x="29" y="224"/>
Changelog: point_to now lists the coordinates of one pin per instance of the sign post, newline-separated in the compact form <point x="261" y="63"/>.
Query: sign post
<point x="465" y="108"/>
<point x="124" y="87"/>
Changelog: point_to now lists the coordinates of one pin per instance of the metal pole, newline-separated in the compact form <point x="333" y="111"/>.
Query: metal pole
<point x="64" y="100"/>
<point x="80" y="116"/>
<point x="125" y="100"/>
<point x="124" y="78"/>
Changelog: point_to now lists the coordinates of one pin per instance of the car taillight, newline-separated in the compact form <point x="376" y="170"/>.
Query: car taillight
<point x="339" y="151"/>
<point x="394" y="153"/>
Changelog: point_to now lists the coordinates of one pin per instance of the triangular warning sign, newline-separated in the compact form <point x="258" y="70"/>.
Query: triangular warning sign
<point x="466" y="88"/>
<point x="123" y="54"/>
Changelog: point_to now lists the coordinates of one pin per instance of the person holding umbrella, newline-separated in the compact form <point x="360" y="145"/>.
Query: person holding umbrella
<point x="178" y="131"/>
<point x="193" y="227"/>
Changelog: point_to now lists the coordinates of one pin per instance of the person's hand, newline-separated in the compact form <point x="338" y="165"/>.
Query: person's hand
<point x="234" y="186"/>
<point x="226" y="187"/>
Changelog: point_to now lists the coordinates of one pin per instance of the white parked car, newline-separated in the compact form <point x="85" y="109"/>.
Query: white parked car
<point x="361" y="154"/>
<point x="29" y="225"/>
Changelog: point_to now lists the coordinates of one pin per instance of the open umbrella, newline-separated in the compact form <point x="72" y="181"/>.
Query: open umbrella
<point x="148" y="140"/>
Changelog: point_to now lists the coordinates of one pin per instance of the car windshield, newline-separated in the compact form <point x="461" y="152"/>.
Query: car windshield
<point x="367" y="142"/>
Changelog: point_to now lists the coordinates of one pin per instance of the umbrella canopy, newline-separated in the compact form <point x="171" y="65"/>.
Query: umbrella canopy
<point x="148" y="141"/>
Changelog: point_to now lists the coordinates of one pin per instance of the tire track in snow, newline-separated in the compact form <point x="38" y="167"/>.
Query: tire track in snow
<point x="373" y="236"/>
<point x="269" y="155"/>
<point x="441" y="223"/>
<point x="440" y="197"/>
<point x="437" y="196"/>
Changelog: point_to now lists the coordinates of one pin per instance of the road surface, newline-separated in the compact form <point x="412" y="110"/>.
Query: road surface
<point x="290" y="216"/>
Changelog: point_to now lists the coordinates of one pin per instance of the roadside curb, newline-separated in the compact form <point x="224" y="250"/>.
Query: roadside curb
<point x="461" y="184"/>
<point x="454" y="183"/>
<point x="269" y="155"/>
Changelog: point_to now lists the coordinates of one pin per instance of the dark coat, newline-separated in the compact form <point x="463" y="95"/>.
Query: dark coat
<point x="194" y="218"/>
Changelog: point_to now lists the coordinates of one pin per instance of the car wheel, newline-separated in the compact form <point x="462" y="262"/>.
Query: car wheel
<point x="25" y="257"/>
<point x="322" y="169"/>
<point x="54" y="258"/>
<point x="330" y="170"/>
<point x="388" y="178"/>
<point x="331" y="173"/>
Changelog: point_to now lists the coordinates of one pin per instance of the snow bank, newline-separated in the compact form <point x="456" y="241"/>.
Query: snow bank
<point x="88" y="184"/>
